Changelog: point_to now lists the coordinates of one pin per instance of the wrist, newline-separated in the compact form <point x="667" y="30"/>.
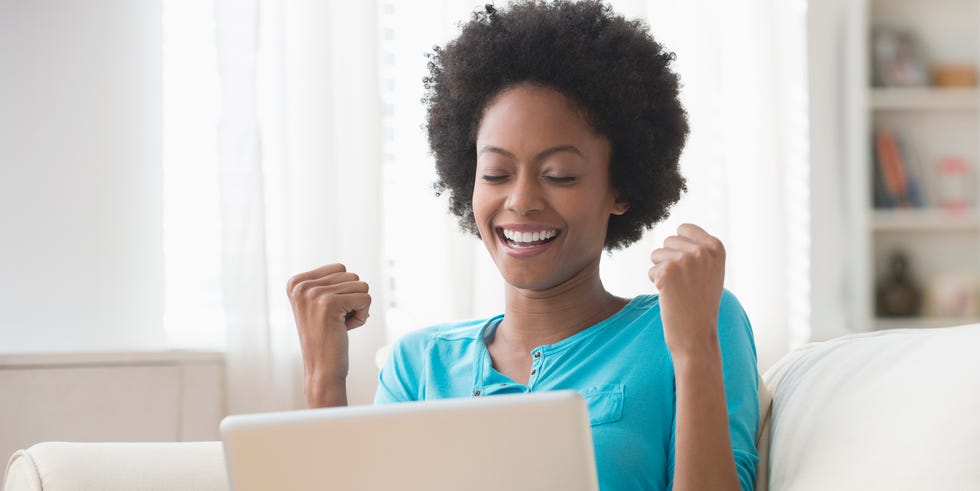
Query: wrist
<point x="326" y="391"/>
<point x="691" y="339"/>
<point x="706" y="356"/>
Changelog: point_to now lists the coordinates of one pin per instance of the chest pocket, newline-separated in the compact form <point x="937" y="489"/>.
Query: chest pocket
<point x="605" y="403"/>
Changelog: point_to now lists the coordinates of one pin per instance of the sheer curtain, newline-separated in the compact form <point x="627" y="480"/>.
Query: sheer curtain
<point x="323" y="158"/>
<point x="743" y="70"/>
<point x="742" y="66"/>
<point x="299" y="159"/>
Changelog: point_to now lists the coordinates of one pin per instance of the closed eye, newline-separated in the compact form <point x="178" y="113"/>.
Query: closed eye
<point x="561" y="180"/>
<point x="489" y="178"/>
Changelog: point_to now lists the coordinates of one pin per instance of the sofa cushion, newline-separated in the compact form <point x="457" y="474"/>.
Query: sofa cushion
<point x="887" y="410"/>
<point x="57" y="466"/>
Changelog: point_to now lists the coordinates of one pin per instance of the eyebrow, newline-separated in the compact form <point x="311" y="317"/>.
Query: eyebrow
<point x="539" y="157"/>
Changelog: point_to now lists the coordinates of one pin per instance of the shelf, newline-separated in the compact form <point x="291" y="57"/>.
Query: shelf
<point x="893" y="98"/>
<point x="932" y="123"/>
<point x="882" y="323"/>
<point x="924" y="219"/>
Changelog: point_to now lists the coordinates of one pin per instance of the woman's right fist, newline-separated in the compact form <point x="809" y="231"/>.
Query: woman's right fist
<point x="327" y="302"/>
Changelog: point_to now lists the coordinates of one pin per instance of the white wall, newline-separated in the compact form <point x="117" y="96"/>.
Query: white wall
<point x="80" y="175"/>
<point x="91" y="397"/>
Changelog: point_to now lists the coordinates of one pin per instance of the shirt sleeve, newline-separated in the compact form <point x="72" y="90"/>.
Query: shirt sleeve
<point x="740" y="362"/>
<point x="402" y="377"/>
<point x="741" y="375"/>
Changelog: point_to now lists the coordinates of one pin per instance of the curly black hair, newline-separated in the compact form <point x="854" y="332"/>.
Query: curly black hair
<point x="609" y="66"/>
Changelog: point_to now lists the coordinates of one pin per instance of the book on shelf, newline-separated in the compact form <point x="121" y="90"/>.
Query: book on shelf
<point x="896" y="180"/>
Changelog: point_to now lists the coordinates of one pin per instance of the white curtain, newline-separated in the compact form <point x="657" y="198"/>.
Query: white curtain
<point x="323" y="158"/>
<point x="743" y="72"/>
<point x="742" y="66"/>
<point x="299" y="161"/>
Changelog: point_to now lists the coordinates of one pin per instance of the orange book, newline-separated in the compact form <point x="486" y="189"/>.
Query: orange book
<point x="891" y="165"/>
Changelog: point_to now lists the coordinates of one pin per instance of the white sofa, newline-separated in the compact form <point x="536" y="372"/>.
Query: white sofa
<point x="891" y="410"/>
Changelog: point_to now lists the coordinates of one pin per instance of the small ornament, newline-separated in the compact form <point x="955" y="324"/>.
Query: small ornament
<point x="898" y="296"/>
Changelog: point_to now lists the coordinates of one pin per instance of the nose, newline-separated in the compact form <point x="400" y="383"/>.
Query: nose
<point x="524" y="196"/>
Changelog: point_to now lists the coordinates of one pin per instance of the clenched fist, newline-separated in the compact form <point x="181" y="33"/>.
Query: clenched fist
<point x="689" y="272"/>
<point x="327" y="302"/>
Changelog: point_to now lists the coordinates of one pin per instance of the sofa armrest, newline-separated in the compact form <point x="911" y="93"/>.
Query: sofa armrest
<point x="57" y="466"/>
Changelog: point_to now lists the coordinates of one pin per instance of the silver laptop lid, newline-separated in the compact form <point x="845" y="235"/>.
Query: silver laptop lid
<point x="538" y="441"/>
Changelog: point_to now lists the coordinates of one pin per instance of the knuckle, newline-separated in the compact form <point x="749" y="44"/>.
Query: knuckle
<point x="291" y="285"/>
<point x="308" y="294"/>
<point x="325" y="301"/>
<point x="719" y="247"/>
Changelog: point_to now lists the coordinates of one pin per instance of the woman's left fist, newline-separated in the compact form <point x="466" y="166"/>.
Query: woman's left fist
<point x="689" y="272"/>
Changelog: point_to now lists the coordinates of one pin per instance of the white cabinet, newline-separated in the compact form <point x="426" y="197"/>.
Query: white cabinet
<point x="932" y="124"/>
<point x="132" y="396"/>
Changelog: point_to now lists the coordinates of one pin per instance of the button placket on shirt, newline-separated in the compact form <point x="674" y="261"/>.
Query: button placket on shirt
<point x="537" y="357"/>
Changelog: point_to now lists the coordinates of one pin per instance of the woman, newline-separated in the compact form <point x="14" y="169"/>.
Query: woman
<point x="557" y="132"/>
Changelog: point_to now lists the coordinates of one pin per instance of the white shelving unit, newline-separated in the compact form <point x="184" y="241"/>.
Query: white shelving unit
<point x="923" y="220"/>
<point x="933" y="123"/>
<point x="904" y="99"/>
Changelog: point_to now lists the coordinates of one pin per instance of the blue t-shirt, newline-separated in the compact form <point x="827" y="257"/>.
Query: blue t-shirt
<point x="622" y="368"/>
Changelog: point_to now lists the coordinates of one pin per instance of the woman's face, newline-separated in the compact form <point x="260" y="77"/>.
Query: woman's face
<point x="542" y="196"/>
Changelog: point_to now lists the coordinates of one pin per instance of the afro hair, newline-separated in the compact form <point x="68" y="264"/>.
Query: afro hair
<point x="609" y="66"/>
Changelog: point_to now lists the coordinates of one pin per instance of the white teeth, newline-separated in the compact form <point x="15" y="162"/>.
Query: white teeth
<point x="518" y="237"/>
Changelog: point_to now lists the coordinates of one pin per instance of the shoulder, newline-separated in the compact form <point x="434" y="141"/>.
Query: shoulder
<point x="734" y="328"/>
<point x="731" y="314"/>
<point x="644" y="303"/>
<point x="424" y="354"/>
<point x="422" y="340"/>
<point x="730" y="304"/>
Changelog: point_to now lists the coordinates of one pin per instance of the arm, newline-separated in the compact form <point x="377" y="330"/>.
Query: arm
<point x="703" y="457"/>
<point x="689" y="273"/>
<point x="327" y="302"/>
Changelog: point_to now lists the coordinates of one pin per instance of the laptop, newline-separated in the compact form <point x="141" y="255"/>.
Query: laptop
<point x="537" y="441"/>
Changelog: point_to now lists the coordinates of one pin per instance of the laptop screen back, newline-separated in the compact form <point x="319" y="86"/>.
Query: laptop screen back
<point x="514" y="442"/>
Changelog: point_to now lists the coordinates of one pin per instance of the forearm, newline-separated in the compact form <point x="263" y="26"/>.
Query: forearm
<point x="325" y="375"/>
<point x="703" y="456"/>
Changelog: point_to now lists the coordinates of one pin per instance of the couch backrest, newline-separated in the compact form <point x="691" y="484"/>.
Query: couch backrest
<point x="762" y="436"/>
<point x="887" y="410"/>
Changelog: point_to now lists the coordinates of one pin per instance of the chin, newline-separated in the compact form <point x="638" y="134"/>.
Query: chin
<point x="526" y="280"/>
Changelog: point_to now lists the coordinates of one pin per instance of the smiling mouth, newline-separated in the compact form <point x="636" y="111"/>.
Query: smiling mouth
<point x="527" y="240"/>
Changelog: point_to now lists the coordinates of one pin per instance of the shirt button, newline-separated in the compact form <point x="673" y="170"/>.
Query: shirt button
<point x="534" y="371"/>
<point x="537" y="354"/>
<point x="477" y="393"/>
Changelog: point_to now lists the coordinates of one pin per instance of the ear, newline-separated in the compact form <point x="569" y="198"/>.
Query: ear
<point x="620" y="207"/>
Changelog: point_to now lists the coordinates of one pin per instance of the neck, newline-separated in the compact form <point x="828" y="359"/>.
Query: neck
<point x="534" y="318"/>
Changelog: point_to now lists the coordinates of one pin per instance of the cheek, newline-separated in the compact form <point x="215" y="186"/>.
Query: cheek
<point x="482" y="206"/>
<point x="592" y="216"/>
